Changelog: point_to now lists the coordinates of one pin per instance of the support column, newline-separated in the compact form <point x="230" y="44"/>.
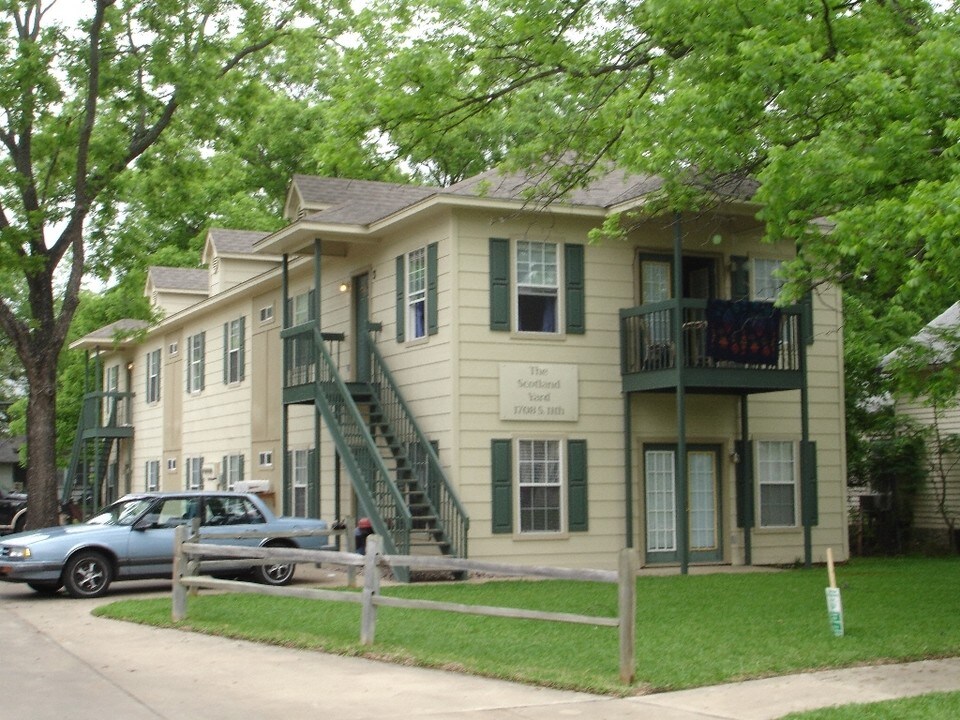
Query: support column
<point x="747" y="484"/>
<point x="806" y="474"/>
<point x="285" y="494"/>
<point x="683" y="520"/>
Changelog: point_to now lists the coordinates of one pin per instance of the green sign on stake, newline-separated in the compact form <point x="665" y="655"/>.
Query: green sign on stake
<point x="834" y="604"/>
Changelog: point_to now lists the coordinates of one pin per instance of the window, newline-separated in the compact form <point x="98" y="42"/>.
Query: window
<point x="233" y="351"/>
<point x="266" y="314"/>
<point x="153" y="376"/>
<point x="195" y="362"/>
<point x="301" y="308"/>
<point x="417" y="294"/>
<point x="416" y="287"/>
<point x="525" y="288"/>
<point x="537" y="286"/>
<point x="766" y="283"/>
<point x="173" y="348"/>
<point x="194" y="476"/>
<point x="227" y="510"/>
<point x="266" y="458"/>
<point x="546" y="478"/>
<point x="112" y="387"/>
<point x="777" y="476"/>
<point x="231" y="472"/>
<point x="539" y="472"/>
<point x="300" y="474"/>
<point x="152" y="475"/>
<point x="171" y="464"/>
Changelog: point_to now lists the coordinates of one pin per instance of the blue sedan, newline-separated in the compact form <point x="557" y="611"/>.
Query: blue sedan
<point x="133" y="539"/>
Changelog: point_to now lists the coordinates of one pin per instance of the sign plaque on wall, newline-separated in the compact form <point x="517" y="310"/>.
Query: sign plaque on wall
<point x="539" y="392"/>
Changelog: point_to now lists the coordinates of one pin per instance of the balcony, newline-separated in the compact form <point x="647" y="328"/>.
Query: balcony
<point x="106" y="414"/>
<point x="724" y="347"/>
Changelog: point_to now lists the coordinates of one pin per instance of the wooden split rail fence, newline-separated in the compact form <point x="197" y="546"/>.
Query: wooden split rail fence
<point x="188" y="552"/>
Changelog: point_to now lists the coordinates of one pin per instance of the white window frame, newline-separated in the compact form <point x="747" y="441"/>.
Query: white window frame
<point x="764" y="284"/>
<point x="231" y="472"/>
<point x="195" y="362"/>
<point x="171" y="464"/>
<point x="153" y="376"/>
<point x="266" y="314"/>
<point x="300" y="480"/>
<point x="416" y="293"/>
<point x="173" y="348"/>
<point x="537" y="275"/>
<point x="540" y="465"/>
<point x="777" y="472"/>
<point x="300" y="309"/>
<point x="152" y="476"/>
<point x="233" y="351"/>
<point x="265" y="458"/>
<point x="194" y="473"/>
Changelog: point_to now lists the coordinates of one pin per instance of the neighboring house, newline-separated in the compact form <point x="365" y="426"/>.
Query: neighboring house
<point x="464" y="367"/>
<point x="939" y="337"/>
<point x="12" y="473"/>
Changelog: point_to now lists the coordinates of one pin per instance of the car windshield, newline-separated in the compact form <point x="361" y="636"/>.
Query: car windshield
<point x="123" y="512"/>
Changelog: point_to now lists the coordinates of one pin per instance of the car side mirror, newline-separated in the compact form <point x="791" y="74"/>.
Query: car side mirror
<point x="146" y="522"/>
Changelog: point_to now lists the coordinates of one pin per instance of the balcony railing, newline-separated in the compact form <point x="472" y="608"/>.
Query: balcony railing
<point x="749" y="337"/>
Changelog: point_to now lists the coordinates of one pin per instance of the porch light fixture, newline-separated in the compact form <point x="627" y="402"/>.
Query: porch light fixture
<point x="344" y="286"/>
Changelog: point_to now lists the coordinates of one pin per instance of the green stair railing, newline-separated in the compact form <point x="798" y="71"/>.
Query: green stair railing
<point x="378" y="495"/>
<point x="453" y="523"/>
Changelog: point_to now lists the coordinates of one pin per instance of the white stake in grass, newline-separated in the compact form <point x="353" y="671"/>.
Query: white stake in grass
<point x="834" y="605"/>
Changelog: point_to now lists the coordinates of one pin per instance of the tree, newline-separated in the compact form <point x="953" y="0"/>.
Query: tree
<point x="81" y="105"/>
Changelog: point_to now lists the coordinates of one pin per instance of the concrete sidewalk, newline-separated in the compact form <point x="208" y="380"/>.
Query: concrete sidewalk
<point x="59" y="661"/>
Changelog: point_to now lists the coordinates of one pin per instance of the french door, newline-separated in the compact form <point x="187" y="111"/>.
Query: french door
<point x="663" y="504"/>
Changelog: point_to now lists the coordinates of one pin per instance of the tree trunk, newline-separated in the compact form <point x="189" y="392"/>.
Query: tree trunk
<point x="43" y="486"/>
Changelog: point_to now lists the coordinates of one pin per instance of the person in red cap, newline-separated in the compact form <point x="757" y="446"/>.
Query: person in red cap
<point x="360" y="535"/>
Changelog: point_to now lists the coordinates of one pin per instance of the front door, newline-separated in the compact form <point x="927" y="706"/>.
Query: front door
<point x="361" y="334"/>
<point x="663" y="504"/>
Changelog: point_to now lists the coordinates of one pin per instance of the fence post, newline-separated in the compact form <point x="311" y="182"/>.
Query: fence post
<point x="371" y="588"/>
<point x="193" y="564"/>
<point x="627" y="609"/>
<point x="179" y="599"/>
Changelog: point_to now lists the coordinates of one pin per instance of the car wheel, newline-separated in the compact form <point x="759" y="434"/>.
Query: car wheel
<point x="276" y="574"/>
<point x="44" y="588"/>
<point x="87" y="575"/>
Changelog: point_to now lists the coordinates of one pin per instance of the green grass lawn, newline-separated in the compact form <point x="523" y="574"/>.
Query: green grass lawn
<point x="691" y="630"/>
<point x="935" y="706"/>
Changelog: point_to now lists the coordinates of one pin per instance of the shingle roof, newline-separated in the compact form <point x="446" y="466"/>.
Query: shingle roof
<point x="180" y="279"/>
<point x="238" y="242"/>
<point x="939" y="335"/>
<point x="109" y="333"/>
<point x="362" y="202"/>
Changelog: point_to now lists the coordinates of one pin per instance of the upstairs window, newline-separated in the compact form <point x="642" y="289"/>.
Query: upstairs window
<point x="195" y="362"/>
<point x="153" y="376"/>
<point x="233" y="351"/>
<point x="152" y="476"/>
<point x="766" y="280"/>
<point x="537" y="286"/>
<point x="417" y="294"/>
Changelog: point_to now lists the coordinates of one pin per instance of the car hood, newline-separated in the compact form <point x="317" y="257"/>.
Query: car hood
<point x="52" y="533"/>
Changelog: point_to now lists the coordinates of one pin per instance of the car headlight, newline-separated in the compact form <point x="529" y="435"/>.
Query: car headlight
<point x="19" y="553"/>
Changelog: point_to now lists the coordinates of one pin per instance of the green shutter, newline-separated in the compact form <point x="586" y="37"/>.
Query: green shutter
<point x="313" y="491"/>
<point x="739" y="277"/>
<point x="203" y="360"/>
<point x="240" y="469"/>
<point x="502" y="477"/>
<point x="226" y="353"/>
<point x="810" y="513"/>
<point x="401" y="298"/>
<point x="222" y="480"/>
<point x="288" y="484"/>
<point x="575" y="293"/>
<point x="432" y="324"/>
<point x="499" y="284"/>
<point x="311" y="305"/>
<point x="745" y="494"/>
<point x="577" y="515"/>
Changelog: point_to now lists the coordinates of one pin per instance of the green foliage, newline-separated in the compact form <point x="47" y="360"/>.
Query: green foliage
<point x="771" y="624"/>
<point x="935" y="706"/>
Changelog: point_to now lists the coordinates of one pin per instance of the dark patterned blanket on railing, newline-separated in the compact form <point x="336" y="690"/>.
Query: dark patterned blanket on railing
<point x="743" y="331"/>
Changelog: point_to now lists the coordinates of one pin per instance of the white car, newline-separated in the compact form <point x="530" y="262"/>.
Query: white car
<point x="133" y="539"/>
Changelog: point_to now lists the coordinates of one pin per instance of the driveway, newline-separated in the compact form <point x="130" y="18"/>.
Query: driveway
<point x="61" y="662"/>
